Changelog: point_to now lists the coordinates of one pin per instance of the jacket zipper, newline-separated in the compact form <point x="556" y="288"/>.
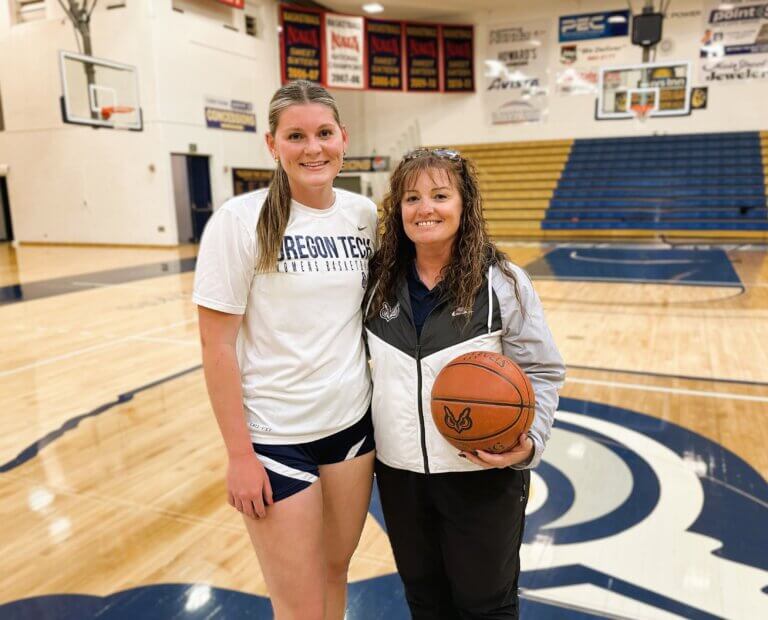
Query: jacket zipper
<point x="421" y="408"/>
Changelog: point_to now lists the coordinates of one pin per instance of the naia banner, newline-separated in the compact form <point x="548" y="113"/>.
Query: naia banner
<point x="421" y="57"/>
<point x="458" y="59"/>
<point x="301" y="44"/>
<point x="345" y="51"/>
<point x="344" y="45"/>
<point x="385" y="54"/>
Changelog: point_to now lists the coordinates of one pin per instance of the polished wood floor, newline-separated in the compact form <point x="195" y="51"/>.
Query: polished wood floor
<point x="112" y="464"/>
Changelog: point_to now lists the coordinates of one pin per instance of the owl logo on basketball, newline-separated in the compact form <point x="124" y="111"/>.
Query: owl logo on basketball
<point x="463" y="423"/>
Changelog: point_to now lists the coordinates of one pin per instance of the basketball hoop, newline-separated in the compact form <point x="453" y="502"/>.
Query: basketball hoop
<point x="108" y="111"/>
<point x="641" y="111"/>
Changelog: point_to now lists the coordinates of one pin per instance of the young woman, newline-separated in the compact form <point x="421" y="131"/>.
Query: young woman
<point x="279" y="283"/>
<point x="440" y="288"/>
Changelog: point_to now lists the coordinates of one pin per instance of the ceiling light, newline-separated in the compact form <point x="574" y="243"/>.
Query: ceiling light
<point x="374" y="7"/>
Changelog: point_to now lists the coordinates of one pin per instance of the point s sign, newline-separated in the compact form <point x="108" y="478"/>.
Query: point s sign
<point x="594" y="26"/>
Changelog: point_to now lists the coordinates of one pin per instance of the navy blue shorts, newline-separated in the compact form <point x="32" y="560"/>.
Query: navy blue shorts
<point x="292" y="468"/>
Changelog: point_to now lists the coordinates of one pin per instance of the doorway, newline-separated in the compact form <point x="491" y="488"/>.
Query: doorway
<point x="192" y="195"/>
<point x="6" y="229"/>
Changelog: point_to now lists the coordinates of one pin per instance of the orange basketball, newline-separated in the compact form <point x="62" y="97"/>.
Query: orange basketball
<point x="482" y="401"/>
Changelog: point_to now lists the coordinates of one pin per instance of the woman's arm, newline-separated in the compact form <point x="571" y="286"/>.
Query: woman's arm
<point x="248" y="485"/>
<point x="527" y="340"/>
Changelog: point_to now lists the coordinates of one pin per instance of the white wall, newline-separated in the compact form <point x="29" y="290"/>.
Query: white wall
<point x="70" y="183"/>
<point x="392" y="120"/>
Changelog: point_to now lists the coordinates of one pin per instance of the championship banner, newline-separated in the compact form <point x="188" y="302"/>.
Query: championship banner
<point x="458" y="59"/>
<point x="344" y="49"/>
<point x="516" y="63"/>
<point x="734" y="46"/>
<point x="385" y="54"/>
<point x="301" y="47"/>
<point x="238" y="4"/>
<point x="421" y="58"/>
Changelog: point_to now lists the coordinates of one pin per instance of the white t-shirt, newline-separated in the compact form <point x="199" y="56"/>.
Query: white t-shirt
<point x="300" y="349"/>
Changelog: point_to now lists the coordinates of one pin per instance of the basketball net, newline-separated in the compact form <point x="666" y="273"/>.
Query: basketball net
<point x="641" y="111"/>
<point x="108" y="111"/>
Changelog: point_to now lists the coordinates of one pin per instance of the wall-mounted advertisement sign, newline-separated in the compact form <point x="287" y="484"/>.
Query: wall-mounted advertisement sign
<point x="385" y="54"/>
<point x="238" y="4"/>
<point x="594" y="26"/>
<point x="375" y="163"/>
<point x="301" y="44"/>
<point x="734" y="46"/>
<point x="246" y="180"/>
<point x="344" y="43"/>
<point x="229" y="114"/>
<point x="421" y="57"/>
<point x="516" y="72"/>
<point x="458" y="58"/>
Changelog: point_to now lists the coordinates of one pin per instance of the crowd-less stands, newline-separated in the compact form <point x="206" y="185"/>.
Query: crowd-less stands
<point x="681" y="185"/>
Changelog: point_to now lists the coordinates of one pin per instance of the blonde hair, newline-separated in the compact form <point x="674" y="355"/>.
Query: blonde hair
<point x="277" y="207"/>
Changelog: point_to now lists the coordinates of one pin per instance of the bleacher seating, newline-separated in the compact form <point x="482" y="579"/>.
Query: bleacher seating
<point x="683" y="185"/>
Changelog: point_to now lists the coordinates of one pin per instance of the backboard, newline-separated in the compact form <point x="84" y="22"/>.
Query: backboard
<point x="665" y="87"/>
<point x="99" y="93"/>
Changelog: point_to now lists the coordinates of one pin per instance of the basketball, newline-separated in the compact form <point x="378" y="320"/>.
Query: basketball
<point x="482" y="401"/>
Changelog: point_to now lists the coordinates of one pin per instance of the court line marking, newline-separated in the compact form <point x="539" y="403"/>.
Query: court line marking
<point x="574" y="255"/>
<point x="111" y="284"/>
<point x="662" y="375"/>
<point x="32" y="450"/>
<point x="525" y="593"/>
<point x="188" y="343"/>
<point x="663" y="390"/>
<point x="96" y="347"/>
<point x="667" y="281"/>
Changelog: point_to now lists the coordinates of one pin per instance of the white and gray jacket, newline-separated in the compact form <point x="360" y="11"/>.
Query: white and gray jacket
<point x="404" y="367"/>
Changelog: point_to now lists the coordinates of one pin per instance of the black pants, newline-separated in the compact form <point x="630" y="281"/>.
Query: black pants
<point x="456" y="539"/>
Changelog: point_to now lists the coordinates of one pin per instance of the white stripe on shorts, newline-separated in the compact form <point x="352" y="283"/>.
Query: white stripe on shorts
<point x="353" y="450"/>
<point x="284" y="470"/>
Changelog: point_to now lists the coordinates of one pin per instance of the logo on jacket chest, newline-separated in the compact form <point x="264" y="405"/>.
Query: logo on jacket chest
<point x="462" y="423"/>
<point x="388" y="313"/>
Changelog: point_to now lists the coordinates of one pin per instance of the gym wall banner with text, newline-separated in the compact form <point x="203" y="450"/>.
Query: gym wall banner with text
<point x="344" y="51"/>
<point x="516" y="61"/>
<point x="734" y="45"/>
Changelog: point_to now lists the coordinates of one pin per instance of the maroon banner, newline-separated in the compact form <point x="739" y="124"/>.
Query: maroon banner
<point x="301" y="44"/>
<point x="238" y="4"/>
<point x="458" y="59"/>
<point x="384" y="41"/>
<point x="421" y="57"/>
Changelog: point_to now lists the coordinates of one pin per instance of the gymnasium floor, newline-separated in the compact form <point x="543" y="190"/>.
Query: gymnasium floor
<point x="652" y="500"/>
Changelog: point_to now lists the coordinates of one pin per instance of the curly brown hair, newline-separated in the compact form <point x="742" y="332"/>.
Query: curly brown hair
<point x="473" y="251"/>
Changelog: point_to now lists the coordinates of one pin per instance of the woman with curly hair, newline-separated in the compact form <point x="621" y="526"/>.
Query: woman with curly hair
<point x="439" y="288"/>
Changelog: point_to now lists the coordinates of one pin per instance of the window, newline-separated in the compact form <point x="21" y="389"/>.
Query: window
<point x="251" y="26"/>
<point x="28" y="10"/>
<point x="253" y="20"/>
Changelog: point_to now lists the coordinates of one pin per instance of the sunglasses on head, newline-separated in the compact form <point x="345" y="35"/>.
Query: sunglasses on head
<point x="448" y="154"/>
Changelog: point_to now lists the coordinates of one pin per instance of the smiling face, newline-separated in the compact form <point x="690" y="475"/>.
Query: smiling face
<point x="310" y="145"/>
<point x="431" y="209"/>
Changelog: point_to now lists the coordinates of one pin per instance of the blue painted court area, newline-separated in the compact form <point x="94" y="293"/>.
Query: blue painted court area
<point x="710" y="267"/>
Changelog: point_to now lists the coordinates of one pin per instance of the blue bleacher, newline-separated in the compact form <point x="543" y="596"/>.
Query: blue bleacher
<point x="695" y="181"/>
